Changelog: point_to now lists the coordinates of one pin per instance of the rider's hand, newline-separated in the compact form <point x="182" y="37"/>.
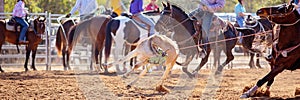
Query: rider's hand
<point x="68" y="15"/>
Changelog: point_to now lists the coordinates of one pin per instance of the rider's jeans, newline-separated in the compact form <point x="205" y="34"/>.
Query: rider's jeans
<point x="24" y="26"/>
<point x="147" y="21"/>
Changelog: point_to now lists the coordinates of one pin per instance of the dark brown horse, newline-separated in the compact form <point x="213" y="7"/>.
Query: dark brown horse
<point x="34" y="37"/>
<point x="61" y="40"/>
<point x="188" y="39"/>
<point x="285" y="51"/>
<point x="264" y="29"/>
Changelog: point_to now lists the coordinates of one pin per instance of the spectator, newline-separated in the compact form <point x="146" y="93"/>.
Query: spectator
<point x="86" y="9"/>
<point x="152" y="6"/>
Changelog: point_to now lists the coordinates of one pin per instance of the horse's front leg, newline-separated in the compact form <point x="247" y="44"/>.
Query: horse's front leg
<point x="141" y="74"/>
<point x="229" y="58"/>
<point x="1" y="69"/>
<point x="28" y="51"/>
<point x="33" y="59"/>
<point x="251" y="62"/>
<point x="257" y="60"/>
<point x="268" y="78"/>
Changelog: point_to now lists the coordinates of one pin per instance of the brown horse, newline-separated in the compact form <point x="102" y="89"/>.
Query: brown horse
<point x="73" y="33"/>
<point x="33" y="36"/>
<point x="285" y="51"/>
<point x="62" y="37"/>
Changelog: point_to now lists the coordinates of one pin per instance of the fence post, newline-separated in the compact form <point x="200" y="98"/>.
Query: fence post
<point x="48" y="66"/>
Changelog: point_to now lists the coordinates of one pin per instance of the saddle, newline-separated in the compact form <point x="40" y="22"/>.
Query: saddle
<point x="137" y="22"/>
<point x="12" y="25"/>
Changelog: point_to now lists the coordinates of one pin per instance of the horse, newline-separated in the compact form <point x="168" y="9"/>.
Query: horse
<point x="286" y="48"/>
<point x="147" y="49"/>
<point x="123" y="30"/>
<point x="253" y="26"/>
<point x="90" y="27"/>
<point x="62" y="38"/>
<point x="175" y="19"/>
<point x="33" y="35"/>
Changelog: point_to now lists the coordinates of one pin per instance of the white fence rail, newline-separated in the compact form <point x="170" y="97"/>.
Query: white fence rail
<point x="46" y="50"/>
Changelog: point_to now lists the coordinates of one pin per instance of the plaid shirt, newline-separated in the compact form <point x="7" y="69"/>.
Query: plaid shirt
<point x="19" y="10"/>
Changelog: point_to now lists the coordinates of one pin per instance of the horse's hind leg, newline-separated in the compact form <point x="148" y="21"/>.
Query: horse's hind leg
<point x="203" y="62"/>
<point x="64" y="52"/>
<point x="27" y="58"/>
<point x="140" y="75"/>
<point x="92" y="57"/>
<point x="229" y="58"/>
<point x="251" y="62"/>
<point x="257" y="61"/>
<point x="1" y="69"/>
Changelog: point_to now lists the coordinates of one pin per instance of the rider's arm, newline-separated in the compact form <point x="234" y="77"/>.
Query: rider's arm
<point x="215" y="6"/>
<point x="76" y="7"/>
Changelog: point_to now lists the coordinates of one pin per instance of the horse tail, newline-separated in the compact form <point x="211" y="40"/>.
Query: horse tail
<point x="58" y="42"/>
<point x="108" y="39"/>
<point x="112" y="27"/>
<point x="72" y="38"/>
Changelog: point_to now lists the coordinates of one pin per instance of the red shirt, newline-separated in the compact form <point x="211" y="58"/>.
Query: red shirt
<point x="151" y="7"/>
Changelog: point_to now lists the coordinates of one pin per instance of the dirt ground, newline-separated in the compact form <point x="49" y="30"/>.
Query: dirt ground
<point x="91" y="85"/>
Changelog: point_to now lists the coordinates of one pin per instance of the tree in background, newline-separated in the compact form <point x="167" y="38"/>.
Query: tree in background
<point x="63" y="6"/>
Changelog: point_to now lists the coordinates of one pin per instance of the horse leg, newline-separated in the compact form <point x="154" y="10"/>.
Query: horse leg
<point x="140" y="75"/>
<point x="64" y="57"/>
<point x="1" y="69"/>
<point x="33" y="54"/>
<point x="229" y="58"/>
<point x="251" y="62"/>
<point x="68" y="60"/>
<point x="27" y="58"/>
<point x="0" y="51"/>
<point x="257" y="61"/>
<point x="185" y="66"/>
<point x="217" y="57"/>
<point x="203" y="62"/>
<point x="270" y="82"/>
<point x="136" y="66"/>
<point x="268" y="78"/>
<point x="96" y="54"/>
<point x="169" y="67"/>
<point x="92" y="58"/>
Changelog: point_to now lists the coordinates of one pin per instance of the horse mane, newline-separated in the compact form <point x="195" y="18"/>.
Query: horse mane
<point x="180" y="10"/>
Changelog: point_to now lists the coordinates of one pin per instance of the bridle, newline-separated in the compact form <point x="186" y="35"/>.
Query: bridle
<point x="284" y="52"/>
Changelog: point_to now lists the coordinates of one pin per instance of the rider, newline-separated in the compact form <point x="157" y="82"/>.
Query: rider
<point x="296" y="2"/>
<point x="152" y="6"/>
<point x="86" y="8"/>
<point x="240" y="10"/>
<point x="19" y="14"/>
<point x="210" y="6"/>
<point x="136" y="9"/>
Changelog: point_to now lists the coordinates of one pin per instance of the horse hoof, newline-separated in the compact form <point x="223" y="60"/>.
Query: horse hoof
<point x="26" y="70"/>
<point x="128" y="86"/>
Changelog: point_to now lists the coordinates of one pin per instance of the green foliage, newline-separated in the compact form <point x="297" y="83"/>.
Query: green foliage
<point x="64" y="6"/>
